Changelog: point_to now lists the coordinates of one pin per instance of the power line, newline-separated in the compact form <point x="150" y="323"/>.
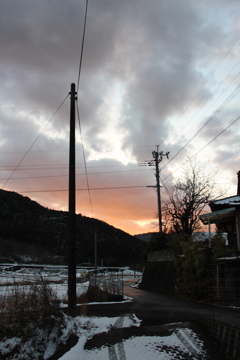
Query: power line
<point x="86" y="189"/>
<point x="211" y="95"/>
<point x="83" y="40"/>
<point x="85" y="164"/>
<point x="26" y="153"/>
<point x="65" y="175"/>
<point x="206" y="81"/>
<point x="78" y="114"/>
<point x="230" y="97"/>
<point x="232" y="123"/>
<point x="34" y="151"/>
<point x="59" y="150"/>
<point x="32" y="167"/>
<point x="215" y="137"/>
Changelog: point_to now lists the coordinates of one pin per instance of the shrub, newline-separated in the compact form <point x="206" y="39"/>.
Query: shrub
<point x="192" y="261"/>
<point x="26" y="309"/>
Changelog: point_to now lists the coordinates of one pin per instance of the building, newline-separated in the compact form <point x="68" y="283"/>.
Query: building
<point x="225" y="276"/>
<point x="226" y="216"/>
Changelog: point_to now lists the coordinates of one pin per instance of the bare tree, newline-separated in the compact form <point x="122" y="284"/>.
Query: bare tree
<point x="188" y="196"/>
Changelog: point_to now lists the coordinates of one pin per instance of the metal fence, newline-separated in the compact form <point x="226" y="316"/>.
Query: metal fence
<point x="112" y="282"/>
<point x="224" y="280"/>
<point x="16" y="282"/>
<point x="11" y="284"/>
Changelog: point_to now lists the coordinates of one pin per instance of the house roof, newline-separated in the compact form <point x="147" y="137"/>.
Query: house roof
<point x="231" y="200"/>
<point x="217" y="215"/>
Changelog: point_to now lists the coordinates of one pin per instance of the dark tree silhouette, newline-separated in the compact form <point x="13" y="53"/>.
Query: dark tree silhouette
<point x="188" y="196"/>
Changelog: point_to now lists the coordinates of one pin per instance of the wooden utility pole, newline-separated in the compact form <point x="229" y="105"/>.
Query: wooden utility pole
<point x="72" y="210"/>
<point x="157" y="158"/>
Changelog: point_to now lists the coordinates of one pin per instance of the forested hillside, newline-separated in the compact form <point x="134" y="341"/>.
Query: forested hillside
<point x="31" y="232"/>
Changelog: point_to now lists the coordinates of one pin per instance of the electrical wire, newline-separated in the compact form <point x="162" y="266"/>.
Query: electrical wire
<point x="62" y="166"/>
<point x="205" y="82"/>
<point x="78" y="113"/>
<point x="83" y="41"/>
<point x="26" y="153"/>
<point x="225" y="103"/>
<point x="84" y="159"/>
<point x="64" y="175"/>
<point x="204" y="147"/>
<point x="211" y="95"/>
<point x="82" y="189"/>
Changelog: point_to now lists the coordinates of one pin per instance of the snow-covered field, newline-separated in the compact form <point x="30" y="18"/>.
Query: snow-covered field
<point x="102" y="333"/>
<point x="56" y="276"/>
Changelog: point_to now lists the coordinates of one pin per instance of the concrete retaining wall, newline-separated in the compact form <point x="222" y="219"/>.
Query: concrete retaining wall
<point x="159" y="277"/>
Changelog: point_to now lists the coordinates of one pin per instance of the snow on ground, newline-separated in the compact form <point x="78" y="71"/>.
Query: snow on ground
<point x="93" y="326"/>
<point x="179" y="343"/>
<point x="57" y="278"/>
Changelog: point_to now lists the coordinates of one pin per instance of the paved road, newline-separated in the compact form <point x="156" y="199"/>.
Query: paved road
<point x="157" y="309"/>
<point x="152" y="309"/>
<point x="143" y="342"/>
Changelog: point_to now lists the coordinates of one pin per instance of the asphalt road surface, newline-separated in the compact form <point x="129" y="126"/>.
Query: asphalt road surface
<point x="157" y="309"/>
<point x="160" y="309"/>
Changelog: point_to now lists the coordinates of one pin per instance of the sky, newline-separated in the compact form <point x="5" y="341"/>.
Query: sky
<point x="154" y="73"/>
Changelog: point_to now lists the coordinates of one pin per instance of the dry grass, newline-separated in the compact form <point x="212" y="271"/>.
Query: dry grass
<point x="21" y="312"/>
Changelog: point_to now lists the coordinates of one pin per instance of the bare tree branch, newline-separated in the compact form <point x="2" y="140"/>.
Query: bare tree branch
<point x="187" y="197"/>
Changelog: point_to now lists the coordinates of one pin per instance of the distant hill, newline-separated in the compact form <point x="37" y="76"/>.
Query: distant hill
<point x="30" y="232"/>
<point x="145" y="237"/>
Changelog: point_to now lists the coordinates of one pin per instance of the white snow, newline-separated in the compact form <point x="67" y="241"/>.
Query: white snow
<point x="180" y="341"/>
<point x="140" y="347"/>
<point x="42" y="346"/>
<point x="229" y="200"/>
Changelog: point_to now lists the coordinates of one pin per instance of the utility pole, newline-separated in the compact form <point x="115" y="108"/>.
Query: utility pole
<point x="95" y="251"/>
<point x="157" y="158"/>
<point x="72" y="209"/>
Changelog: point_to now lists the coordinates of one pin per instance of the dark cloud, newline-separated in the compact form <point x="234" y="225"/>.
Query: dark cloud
<point x="148" y="67"/>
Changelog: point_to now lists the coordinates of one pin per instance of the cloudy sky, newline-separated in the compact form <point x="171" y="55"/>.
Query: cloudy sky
<point x="153" y="73"/>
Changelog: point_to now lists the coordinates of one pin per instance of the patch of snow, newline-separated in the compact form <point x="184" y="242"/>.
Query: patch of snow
<point x="52" y="343"/>
<point x="181" y="342"/>
<point x="228" y="200"/>
<point x="7" y="345"/>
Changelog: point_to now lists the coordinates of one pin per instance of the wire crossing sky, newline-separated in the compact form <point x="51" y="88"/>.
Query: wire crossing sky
<point x="152" y="73"/>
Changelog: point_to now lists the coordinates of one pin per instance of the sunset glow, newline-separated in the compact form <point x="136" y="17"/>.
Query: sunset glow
<point x="152" y="74"/>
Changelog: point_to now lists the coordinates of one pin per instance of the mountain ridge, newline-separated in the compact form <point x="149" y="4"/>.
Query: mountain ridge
<point x="27" y="227"/>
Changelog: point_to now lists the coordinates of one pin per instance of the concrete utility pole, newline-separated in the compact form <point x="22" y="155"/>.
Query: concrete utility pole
<point x="157" y="158"/>
<point x="72" y="209"/>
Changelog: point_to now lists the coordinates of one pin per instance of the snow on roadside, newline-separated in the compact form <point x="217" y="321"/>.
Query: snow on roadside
<point x="179" y="344"/>
<point x="42" y="345"/>
<point x="93" y="326"/>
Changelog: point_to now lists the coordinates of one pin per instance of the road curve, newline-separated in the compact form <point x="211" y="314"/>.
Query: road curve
<point x="158" y="309"/>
